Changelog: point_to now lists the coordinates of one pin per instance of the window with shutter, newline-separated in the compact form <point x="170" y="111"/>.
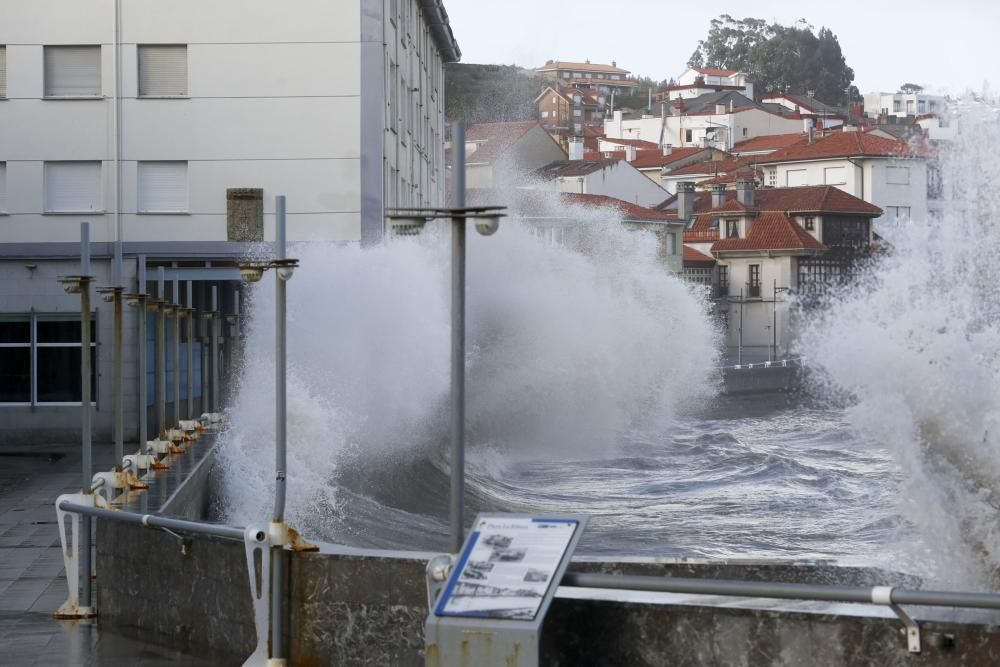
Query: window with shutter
<point x="3" y="187"/>
<point x="72" y="71"/>
<point x="163" y="187"/>
<point x="73" y="187"/>
<point x="163" y="71"/>
<point x="3" y="71"/>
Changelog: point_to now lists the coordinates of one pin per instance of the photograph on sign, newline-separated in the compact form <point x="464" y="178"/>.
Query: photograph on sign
<point x="507" y="567"/>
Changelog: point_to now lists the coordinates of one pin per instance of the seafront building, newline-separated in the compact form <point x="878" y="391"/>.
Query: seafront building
<point x="172" y="130"/>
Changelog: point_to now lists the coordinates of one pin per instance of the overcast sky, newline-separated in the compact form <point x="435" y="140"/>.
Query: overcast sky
<point x="945" y="46"/>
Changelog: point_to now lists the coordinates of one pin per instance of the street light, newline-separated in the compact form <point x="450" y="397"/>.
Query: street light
<point x="410" y="222"/>
<point x="252" y="271"/>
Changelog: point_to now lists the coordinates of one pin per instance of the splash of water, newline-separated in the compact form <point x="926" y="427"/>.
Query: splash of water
<point x="917" y="348"/>
<point x="570" y="345"/>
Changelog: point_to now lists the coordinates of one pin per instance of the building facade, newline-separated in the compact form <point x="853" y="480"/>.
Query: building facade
<point x="589" y="75"/>
<point x="159" y="125"/>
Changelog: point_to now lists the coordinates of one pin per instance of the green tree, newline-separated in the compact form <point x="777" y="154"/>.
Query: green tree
<point x="779" y="58"/>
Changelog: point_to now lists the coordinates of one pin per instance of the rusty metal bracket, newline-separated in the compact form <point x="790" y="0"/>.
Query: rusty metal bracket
<point x="438" y="569"/>
<point x="71" y="553"/>
<point x="257" y="542"/>
<point x="882" y="595"/>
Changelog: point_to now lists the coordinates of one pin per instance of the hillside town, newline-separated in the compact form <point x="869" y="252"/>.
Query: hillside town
<point x="759" y="197"/>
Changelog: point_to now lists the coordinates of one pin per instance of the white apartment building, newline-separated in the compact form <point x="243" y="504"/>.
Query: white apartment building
<point x="718" y="120"/>
<point x="903" y="104"/>
<point x="154" y="124"/>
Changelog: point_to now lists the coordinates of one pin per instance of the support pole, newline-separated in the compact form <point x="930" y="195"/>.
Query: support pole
<point x="190" y="350"/>
<point x="161" y="353"/>
<point x="739" y="351"/>
<point x="85" y="411"/>
<point x="457" y="500"/>
<point x="774" y="320"/>
<point x="216" y="403"/>
<point x="280" y="439"/>
<point x="178" y="316"/>
<point x="143" y="362"/>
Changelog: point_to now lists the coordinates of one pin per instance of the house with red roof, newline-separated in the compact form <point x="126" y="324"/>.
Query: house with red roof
<point x="767" y="144"/>
<point x="696" y="81"/>
<point x="765" y="243"/>
<point x="568" y="108"/>
<point x="823" y="115"/>
<point x="498" y="154"/>
<point x="889" y="173"/>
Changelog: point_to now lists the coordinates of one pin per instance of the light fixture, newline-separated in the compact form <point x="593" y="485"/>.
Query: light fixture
<point x="488" y="226"/>
<point x="72" y="284"/>
<point x="251" y="274"/>
<point x="107" y="293"/>
<point x="285" y="267"/>
<point x="134" y="300"/>
<point x="408" y="226"/>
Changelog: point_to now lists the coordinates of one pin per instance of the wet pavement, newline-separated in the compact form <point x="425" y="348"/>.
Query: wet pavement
<point x="32" y="578"/>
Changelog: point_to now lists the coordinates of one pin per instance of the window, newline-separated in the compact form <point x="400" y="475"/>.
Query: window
<point x="772" y="177"/>
<point x="922" y="106"/>
<point x="616" y="77"/>
<point x="810" y="224"/>
<point x="72" y="187"/>
<point x="51" y="345"/>
<point x="72" y="71"/>
<point x="795" y="177"/>
<point x="545" y="114"/>
<point x="909" y="107"/>
<point x="897" y="213"/>
<point x="732" y="229"/>
<point x="933" y="106"/>
<point x="3" y="187"/>
<point x="897" y="175"/>
<point x="163" y="187"/>
<point x="553" y="99"/>
<point x="163" y="71"/>
<point x="754" y="280"/>
<point x="745" y="131"/>
<point x="577" y="112"/>
<point x="835" y="175"/>
<point x="723" y="279"/>
<point x="671" y="243"/>
<point x="688" y="136"/>
<point x="897" y="106"/>
<point x="3" y="72"/>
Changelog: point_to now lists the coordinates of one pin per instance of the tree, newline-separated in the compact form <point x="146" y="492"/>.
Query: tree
<point x="910" y="88"/>
<point x="780" y="59"/>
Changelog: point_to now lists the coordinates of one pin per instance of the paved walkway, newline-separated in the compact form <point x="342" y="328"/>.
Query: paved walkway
<point x="32" y="580"/>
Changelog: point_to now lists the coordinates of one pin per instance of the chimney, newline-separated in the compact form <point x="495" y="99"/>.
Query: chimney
<point x="668" y="149"/>
<point x="718" y="194"/>
<point x="812" y="134"/>
<point x="744" y="191"/>
<point x="576" y="148"/>
<point x="704" y="141"/>
<point x="685" y="199"/>
<point x="630" y="153"/>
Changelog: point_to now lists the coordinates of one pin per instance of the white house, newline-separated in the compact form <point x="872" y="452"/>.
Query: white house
<point x="716" y="120"/>
<point x="824" y="116"/>
<point x="697" y="81"/>
<point x="173" y="136"/>
<point x="902" y="104"/>
<point x="887" y="173"/>
<point x="502" y="154"/>
<point x="609" y="177"/>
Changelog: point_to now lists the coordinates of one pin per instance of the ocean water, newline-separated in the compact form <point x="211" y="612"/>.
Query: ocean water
<point x="593" y="387"/>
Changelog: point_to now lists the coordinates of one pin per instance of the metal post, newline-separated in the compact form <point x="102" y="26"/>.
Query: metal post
<point x="774" y="319"/>
<point x="178" y="316"/>
<point x="457" y="504"/>
<point x="119" y="378"/>
<point x="143" y="392"/>
<point x="161" y="353"/>
<point x="280" y="441"/>
<point x="190" y="350"/>
<point x="216" y="403"/>
<point x="85" y="410"/>
<point x="739" y="349"/>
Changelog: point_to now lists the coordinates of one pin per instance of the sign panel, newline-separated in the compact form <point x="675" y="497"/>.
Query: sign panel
<point x="508" y="566"/>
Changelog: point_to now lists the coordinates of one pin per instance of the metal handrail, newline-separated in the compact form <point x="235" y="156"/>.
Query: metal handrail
<point x="156" y="521"/>
<point x="766" y="589"/>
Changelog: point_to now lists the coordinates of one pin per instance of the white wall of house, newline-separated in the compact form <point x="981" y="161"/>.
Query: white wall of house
<point x="890" y="184"/>
<point x="724" y="129"/>
<point x="620" y="180"/>
<point x="273" y="100"/>
<point x="901" y="105"/>
<point x="758" y="316"/>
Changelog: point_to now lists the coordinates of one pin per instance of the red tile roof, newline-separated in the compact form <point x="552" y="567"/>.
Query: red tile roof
<point x="581" y="67"/>
<point x="694" y="257"/>
<point x="638" y="143"/>
<point x="769" y="142"/>
<point x="771" y="231"/>
<point x="714" y="71"/>
<point x="561" y="168"/>
<point x="842" y="144"/>
<point x="628" y="210"/>
<point x="712" y="167"/>
<point x="495" y="138"/>
<point x="656" y="158"/>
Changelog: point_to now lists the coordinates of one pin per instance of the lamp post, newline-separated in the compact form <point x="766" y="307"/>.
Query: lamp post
<point x="409" y="222"/>
<point x="189" y="337"/>
<point x="113" y="295"/>
<point x="161" y="352"/>
<point x="81" y="285"/>
<point x="252" y="272"/>
<point x="774" y="318"/>
<point x="178" y="316"/>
